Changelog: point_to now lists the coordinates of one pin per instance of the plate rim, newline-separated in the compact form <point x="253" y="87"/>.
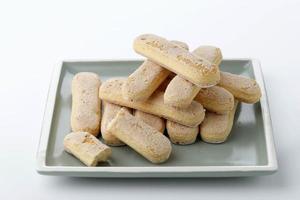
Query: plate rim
<point x="42" y="168"/>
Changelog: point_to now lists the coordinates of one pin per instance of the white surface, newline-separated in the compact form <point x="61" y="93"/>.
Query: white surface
<point x="35" y="35"/>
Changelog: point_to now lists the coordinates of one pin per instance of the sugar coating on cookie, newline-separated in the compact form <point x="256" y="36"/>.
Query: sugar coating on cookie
<point x="156" y="122"/>
<point x="243" y="88"/>
<point x="192" y="116"/>
<point x="146" y="79"/>
<point x="141" y="137"/>
<point x="86" y="147"/>
<point x="215" y="99"/>
<point x="216" y="127"/>
<point x="178" y="60"/>
<point x="109" y="111"/>
<point x="180" y="134"/>
<point x="211" y="53"/>
<point x="86" y="105"/>
<point x="181" y="92"/>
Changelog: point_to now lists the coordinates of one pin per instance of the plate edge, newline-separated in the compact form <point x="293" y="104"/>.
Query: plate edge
<point x="271" y="150"/>
<point x="47" y="118"/>
<point x="272" y="165"/>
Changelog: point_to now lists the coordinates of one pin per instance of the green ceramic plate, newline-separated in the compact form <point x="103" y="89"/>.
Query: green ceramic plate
<point x="249" y="150"/>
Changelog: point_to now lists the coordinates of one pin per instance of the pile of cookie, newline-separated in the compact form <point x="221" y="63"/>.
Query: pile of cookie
<point x="174" y="89"/>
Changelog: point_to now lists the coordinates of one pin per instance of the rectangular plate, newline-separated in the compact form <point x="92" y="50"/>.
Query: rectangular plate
<point x="249" y="151"/>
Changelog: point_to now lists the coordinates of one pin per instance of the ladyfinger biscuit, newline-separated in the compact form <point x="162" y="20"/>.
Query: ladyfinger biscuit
<point x="215" y="99"/>
<point x="146" y="79"/>
<point x="178" y="60"/>
<point x="156" y="122"/>
<point x="86" y="105"/>
<point x="216" y="128"/>
<point x="210" y="53"/>
<point x="180" y="134"/>
<point x="243" y="88"/>
<point x="181" y="44"/>
<point x="140" y="136"/>
<point x="109" y="111"/>
<point x="180" y="92"/>
<point x="86" y="147"/>
<point x="191" y="116"/>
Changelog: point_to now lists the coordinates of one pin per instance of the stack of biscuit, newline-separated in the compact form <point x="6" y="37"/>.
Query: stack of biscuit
<point x="174" y="89"/>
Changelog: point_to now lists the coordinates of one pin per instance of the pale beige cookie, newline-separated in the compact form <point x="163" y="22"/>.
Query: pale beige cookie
<point x="178" y="60"/>
<point x="216" y="99"/>
<point x="86" y="105"/>
<point x="180" y="92"/>
<point x="141" y="137"/>
<point x="146" y="79"/>
<point x="191" y="116"/>
<point x="243" y="88"/>
<point x="156" y="122"/>
<point x="210" y="53"/>
<point x="109" y="111"/>
<point x="180" y="134"/>
<point x="181" y="44"/>
<point x="216" y="128"/>
<point x="86" y="147"/>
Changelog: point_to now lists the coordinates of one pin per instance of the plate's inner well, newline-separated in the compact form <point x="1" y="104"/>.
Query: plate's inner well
<point x="245" y="147"/>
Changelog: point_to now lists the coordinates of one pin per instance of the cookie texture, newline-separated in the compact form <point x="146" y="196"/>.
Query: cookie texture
<point x="156" y="122"/>
<point x="192" y="116"/>
<point x="243" y="88"/>
<point x="181" y="92"/>
<point x="180" y="134"/>
<point x="146" y="79"/>
<point x="141" y="137"/>
<point x="109" y="111"/>
<point x="216" y="128"/>
<point x="215" y="99"/>
<point x="178" y="60"/>
<point x="86" y="105"/>
<point x="86" y="147"/>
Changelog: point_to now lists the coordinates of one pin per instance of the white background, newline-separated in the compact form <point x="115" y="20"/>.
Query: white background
<point x="34" y="35"/>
